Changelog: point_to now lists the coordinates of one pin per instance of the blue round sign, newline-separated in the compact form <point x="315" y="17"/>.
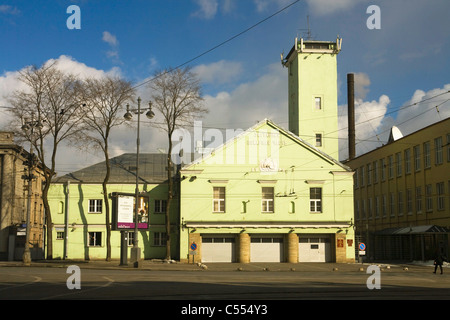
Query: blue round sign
<point x="362" y="246"/>
<point x="193" y="246"/>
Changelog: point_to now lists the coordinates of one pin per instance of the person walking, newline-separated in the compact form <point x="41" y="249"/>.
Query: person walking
<point x="438" y="262"/>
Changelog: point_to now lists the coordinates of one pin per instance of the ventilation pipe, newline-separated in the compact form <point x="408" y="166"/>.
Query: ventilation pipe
<point x="351" y="115"/>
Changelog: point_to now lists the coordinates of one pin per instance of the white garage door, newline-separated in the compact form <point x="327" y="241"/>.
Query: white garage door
<point x="218" y="249"/>
<point x="266" y="249"/>
<point x="314" y="249"/>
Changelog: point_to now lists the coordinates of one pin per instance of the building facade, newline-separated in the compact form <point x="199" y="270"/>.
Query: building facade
<point x="14" y="170"/>
<point x="266" y="196"/>
<point x="78" y="209"/>
<point x="402" y="203"/>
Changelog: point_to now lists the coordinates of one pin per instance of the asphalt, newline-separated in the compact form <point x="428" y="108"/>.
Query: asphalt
<point x="161" y="265"/>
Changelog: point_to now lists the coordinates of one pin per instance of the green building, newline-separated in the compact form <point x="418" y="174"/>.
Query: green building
<point x="272" y="195"/>
<point x="78" y="209"/>
<point x="266" y="196"/>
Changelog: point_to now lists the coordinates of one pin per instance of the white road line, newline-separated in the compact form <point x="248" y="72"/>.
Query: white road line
<point x="77" y="291"/>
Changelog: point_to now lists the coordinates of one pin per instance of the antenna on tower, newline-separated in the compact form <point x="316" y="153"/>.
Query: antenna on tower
<point x="308" y="32"/>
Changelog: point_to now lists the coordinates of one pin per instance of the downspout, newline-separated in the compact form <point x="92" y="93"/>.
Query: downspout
<point x="66" y="226"/>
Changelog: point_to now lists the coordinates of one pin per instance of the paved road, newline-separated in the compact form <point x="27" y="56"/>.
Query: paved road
<point x="43" y="283"/>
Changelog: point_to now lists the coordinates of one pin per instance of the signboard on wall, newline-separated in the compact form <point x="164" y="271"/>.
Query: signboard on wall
<point x="124" y="211"/>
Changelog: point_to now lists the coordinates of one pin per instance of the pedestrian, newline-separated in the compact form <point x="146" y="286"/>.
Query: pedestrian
<point x="438" y="262"/>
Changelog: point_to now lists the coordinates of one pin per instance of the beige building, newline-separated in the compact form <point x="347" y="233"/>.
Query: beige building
<point x="401" y="195"/>
<point x="14" y="199"/>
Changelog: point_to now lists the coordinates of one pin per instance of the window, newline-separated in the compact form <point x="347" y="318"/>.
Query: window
<point x="383" y="169"/>
<point x="159" y="239"/>
<point x="409" y="205"/>
<point x="95" y="239"/>
<point x="417" y="158"/>
<point x="428" y="196"/>
<point x="369" y="174"/>
<point x="267" y="199"/>
<point x="219" y="199"/>
<point x="398" y="159"/>
<point x="377" y="206"/>
<point x="130" y="238"/>
<point x="361" y="176"/>
<point x="448" y="147"/>
<point x="440" y="196"/>
<point x="375" y="172"/>
<point x="438" y="150"/>
<point x="418" y="199"/>
<point x="318" y="139"/>
<point x="407" y="161"/>
<point x="426" y="155"/>
<point x="400" y="203"/>
<point x="383" y="205"/>
<point x="318" y="103"/>
<point x="95" y="205"/>
<point x="60" y="235"/>
<point x="390" y="167"/>
<point x="160" y="206"/>
<point x="315" y="199"/>
<point x="392" y="204"/>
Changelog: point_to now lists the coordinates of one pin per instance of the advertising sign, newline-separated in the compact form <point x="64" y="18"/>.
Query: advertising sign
<point x="124" y="211"/>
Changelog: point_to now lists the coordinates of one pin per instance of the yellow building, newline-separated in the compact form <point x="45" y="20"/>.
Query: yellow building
<point x="401" y="194"/>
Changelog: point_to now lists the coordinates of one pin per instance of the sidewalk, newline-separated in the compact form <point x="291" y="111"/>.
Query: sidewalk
<point x="159" y="265"/>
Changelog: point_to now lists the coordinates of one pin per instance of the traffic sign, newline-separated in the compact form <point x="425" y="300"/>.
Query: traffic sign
<point x="193" y="246"/>
<point x="362" y="246"/>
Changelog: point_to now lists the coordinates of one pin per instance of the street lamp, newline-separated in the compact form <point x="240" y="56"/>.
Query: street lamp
<point x="135" y="250"/>
<point x="29" y="125"/>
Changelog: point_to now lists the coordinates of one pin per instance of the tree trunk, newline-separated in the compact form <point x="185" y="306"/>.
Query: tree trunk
<point x="48" y="218"/>
<point x="105" y="199"/>
<point x="169" y="200"/>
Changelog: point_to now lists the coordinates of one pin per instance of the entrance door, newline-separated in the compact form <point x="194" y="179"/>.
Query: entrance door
<point x="218" y="249"/>
<point x="314" y="249"/>
<point x="266" y="248"/>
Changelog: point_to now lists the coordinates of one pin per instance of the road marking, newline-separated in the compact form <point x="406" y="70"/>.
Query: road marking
<point x="110" y="281"/>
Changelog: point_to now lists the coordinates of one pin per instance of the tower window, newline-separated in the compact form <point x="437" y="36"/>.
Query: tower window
<point x="318" y="139"/>
<point x="318" y="103"/>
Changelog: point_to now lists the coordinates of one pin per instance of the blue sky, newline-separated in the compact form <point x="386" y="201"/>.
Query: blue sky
<point x="243" y="81"/>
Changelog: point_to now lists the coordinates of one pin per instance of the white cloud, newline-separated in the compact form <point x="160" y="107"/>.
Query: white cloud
<point x="113" y="53"/>
<point x="263" y="5"/>
<point x="250" y="102"/>
<point x="207" y="10"/>
<point x="325" y="7"/>
<point x="374" y="119"/>
<point x="110" y="38"/>
<point x="7" y="9"/>
<point x="218" y="72"/>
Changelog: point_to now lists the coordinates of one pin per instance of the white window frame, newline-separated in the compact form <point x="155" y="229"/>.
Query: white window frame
<point x="96" y="237"/>
<point x="218" y="200"/>
<point x="267" y="199"/>
<point x="96" y="204"/>
<point x="160" y="205"/>
<point x="315" y="200"/>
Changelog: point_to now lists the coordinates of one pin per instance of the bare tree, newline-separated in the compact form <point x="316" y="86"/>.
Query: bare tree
<point x="51" y="98"/>
<point x="104" y="99"/>
<point x="177" y="96"/>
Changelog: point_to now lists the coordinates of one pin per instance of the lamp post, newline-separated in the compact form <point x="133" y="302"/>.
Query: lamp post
<point x="135" y="250"/>
<point x="29" y="125"/>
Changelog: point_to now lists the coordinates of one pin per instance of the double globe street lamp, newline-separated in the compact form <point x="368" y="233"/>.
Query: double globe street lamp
<point x="26" y="127"/>
<point x="135" y="250"/>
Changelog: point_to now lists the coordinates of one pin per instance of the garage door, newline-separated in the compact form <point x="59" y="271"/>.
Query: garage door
<point x="218" y="249"/>
<point x="314" y="249"/>
<point x="266" y="249"/>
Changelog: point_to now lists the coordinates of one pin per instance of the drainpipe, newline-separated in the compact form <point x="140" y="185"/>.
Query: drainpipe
<point x="66" y="227"/>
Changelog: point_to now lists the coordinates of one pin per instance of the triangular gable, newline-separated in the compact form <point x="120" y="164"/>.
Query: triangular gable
<point x="257" y="130"/>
